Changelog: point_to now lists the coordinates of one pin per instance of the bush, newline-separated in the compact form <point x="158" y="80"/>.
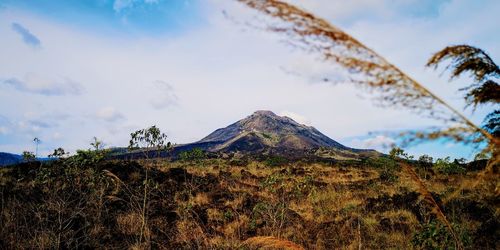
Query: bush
<point x="28" y="156"/>
<point x="275" y="161"/>
<point x="434" y="235"/>
<point x="388" y="167"/>
<point x="445" y="166"/>
<point x="88" y="157"/>
<point x="381" y="162"/>
<point x="195" y="154"/>
<point x="388" y="175"/>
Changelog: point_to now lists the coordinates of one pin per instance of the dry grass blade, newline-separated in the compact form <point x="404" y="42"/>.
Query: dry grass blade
<point x="363" y="66"/>
<point x="422" y="189"/>
<point x="466" y="58"/>
<point x="270" y="242"/>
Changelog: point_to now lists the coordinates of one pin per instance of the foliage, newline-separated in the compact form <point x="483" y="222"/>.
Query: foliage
<point x="150" y="139"/>
<point x="96" y="144"/>
<point x="88" y="157"/>
<point x="387" y="165"/>
<point x="195" y="154"/>
<point x="241" y="162"/>
<point x="28" y="156"/>
<point x="398" y="153"/>
<point x="434" y="235"/>
<point x="304" y="186"/>
<point x="60" y="205"/>
<point x="272" y="182"/>
<point x="58" y="153"/>
<point x="275" y="161"/>
<point x="388" y="175"/>
<point x="380" y="162"/>
<point x="425" y="159"/>
<point x="424" y="163"/>
<point x="447" y="167"/>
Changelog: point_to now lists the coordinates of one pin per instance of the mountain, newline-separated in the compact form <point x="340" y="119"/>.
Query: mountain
<point x="264" y="132"/>
<point x="9" y="159"/>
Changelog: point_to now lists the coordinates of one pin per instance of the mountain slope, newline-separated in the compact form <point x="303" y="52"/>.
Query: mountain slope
<point x="266" y="132"/>
<point x="9" y="159"/>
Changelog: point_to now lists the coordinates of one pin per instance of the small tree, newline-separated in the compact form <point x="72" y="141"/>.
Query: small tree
<point x="425" y="162"/>
<point x="28" y="156"/>
<point x="91" y="156"/>
<point x="446" y="166"/>
<point x="425" y="159"/>
<point x="58" y="153"/>
<point x="96" y="144"/>
<point x="396" y="153"/>
<point x="149" y="139"/>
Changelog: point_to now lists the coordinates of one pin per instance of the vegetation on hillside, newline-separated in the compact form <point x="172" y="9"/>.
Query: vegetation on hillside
<point x="85" y="201"/>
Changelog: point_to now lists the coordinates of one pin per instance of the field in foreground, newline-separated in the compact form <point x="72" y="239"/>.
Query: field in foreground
<point x="223" y="204"/>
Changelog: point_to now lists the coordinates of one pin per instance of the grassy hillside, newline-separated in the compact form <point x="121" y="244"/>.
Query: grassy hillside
<point x="225" y="204"/>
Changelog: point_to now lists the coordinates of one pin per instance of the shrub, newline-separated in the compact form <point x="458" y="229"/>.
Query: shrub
<point x="58" y="153"/>
<point x="275" y="161"/>
<point x="195" y="154"/>
<point x="28" y="156"/>
<point x="388" y="167"/>
<point x="88" y="157"/>
<point x="388" y="175"/>
<point x="434" y="235"/>
<point x="445" y="166"/>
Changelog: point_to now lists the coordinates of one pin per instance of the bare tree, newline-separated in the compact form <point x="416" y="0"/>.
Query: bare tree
<point x="36" y="141"/>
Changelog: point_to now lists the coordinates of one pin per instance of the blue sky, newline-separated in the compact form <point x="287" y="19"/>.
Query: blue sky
<point x="75" y="69"/>
<point x="139" y="17"/>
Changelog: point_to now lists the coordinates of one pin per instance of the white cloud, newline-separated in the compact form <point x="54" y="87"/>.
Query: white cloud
<point x="298" y="118"/>
<point x="109" y="114"/>
<point x="379" y="141"/>
<point x="34" y="83"/>
<point x="56" y="136"/>
<point x="164" y="95"/>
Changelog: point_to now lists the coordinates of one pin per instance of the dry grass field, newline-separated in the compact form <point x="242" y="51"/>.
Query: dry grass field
<point x="240" y="204"/>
